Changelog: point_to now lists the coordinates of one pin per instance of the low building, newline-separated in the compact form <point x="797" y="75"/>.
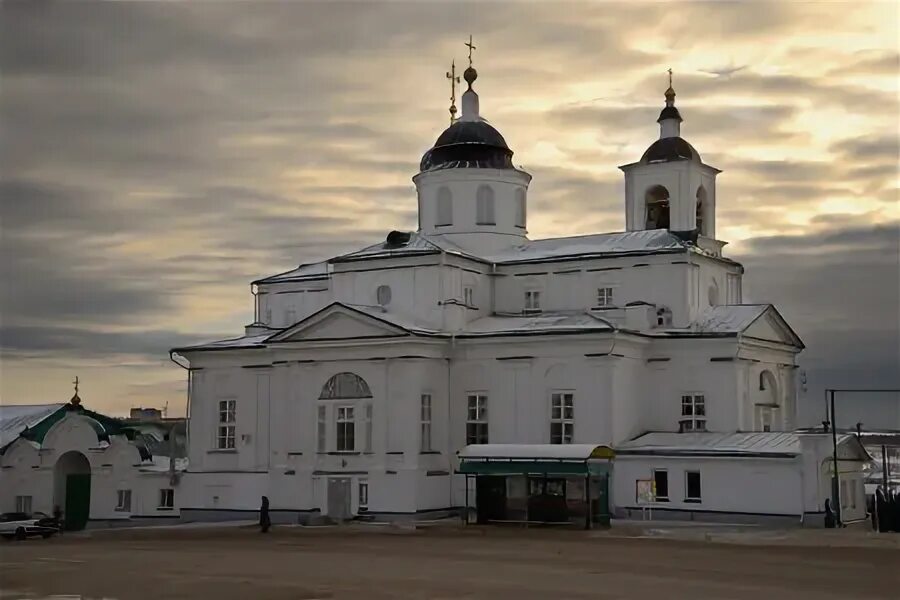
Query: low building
<point x="94" y="467"/>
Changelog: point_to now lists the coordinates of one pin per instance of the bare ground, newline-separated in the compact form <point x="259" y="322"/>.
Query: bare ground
<point x="495" y="563"/>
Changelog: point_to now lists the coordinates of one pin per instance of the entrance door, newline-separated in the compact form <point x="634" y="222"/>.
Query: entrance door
<point x="490" y="494"/>
<point x="339" y="498"/>
<point x="78" y="501"/>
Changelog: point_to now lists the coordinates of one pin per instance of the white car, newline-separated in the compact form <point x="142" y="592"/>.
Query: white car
<point x="18" y="525"/>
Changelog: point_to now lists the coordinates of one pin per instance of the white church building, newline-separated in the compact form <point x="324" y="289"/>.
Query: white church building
<point x="365" y="377"/>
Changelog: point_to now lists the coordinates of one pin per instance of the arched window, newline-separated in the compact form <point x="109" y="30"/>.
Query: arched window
<point x="345" y="386"/>
<point x="701" y="207"/>
<point x="657" y="202"/>
<point x="444" y="207"/>
<point x="485" y="206"/>
<point x="520" y="208"/>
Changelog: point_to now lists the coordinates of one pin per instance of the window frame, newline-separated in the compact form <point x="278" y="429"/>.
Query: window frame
<point x="344" y="423"/>
<point x="425" y="422"/>
<point x="477" y="418"/>
<point x="693" y="421"/>
<point x="469" y="296"/>
<point x="533" y="301"/>
<point x="368" y="412"/>
<point x="443" y="207"/>
<point x="558" y="416"/>
<point x="24" y="503"/>
<point x="521" y="210"/>
<point x="362" y="498"/>
<point x="656" y="496"/>
<point x="687" y="487"/>
<point x="121" y="505"/>
<point x="166" y="499"/>
<point x="605" y="296"/>
<point x="226" y="427"/>
<point x="485" y="213"/>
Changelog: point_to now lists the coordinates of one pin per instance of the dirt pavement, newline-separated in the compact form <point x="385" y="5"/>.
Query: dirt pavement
<point x="301" y="563"/>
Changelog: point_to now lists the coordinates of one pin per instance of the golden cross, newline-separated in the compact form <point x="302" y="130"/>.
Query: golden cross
<point x="471" y="47"/>
<point x="670" y="77"/>
<point x="76" y="384"/>
<point x="454" y="79"/>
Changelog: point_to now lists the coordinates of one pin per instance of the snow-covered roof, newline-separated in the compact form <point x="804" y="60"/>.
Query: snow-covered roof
<point x="529" y="451"/>
<point x="247" y="341"/>
<point x="302" y="273"/>
<point x="417" y="244"/>
<point x="600" y="244"/>
<point x="741" y="444"/>
<point x="15" y="418"/>
<point x="547" y="322"/>
<point x="160" y="464"/>
<point x="728" y="318"/>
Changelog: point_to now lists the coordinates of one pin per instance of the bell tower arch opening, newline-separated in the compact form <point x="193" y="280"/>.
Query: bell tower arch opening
<point x="702" y="206"/>
<point x="656" y="200"/>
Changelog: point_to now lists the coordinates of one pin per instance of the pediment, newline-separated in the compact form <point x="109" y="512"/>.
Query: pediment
<point x="771" y="326"/>
<point x="338" y="322"/>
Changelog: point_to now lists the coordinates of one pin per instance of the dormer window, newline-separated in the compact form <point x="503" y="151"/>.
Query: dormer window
<point x="532" y="301"/>
<point x="485" y="206"/>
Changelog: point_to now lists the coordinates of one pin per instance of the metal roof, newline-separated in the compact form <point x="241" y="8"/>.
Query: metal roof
<point x="750" y="444"/>
<point x="530" y="451"/>
<point x="15" y="418"/>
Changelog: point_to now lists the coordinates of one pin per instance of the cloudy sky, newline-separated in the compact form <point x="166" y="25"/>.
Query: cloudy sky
<point x="156" y="157"/>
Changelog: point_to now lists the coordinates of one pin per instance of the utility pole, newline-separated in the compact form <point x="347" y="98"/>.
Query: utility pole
<point x="836" y="485"/>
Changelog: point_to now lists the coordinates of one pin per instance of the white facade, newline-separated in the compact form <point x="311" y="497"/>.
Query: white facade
<point x="124" y="485"/>
<point x="467" y="332"/>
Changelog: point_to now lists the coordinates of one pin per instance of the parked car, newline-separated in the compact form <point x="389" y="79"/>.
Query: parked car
<point x="19" y="525"/>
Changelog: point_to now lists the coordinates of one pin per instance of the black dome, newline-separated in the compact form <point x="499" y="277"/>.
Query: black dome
<point x="668" y="149"/>
<point x="468" y="144"/>
<point x="669" y="112"/>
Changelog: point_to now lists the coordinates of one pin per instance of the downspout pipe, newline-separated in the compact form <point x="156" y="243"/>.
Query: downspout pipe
<point x="187" y="411"/>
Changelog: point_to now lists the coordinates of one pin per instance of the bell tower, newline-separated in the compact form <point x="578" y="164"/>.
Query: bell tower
<point x="671" y="187"/>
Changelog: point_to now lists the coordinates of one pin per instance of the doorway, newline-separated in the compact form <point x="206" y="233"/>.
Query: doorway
<point x="339" y="498"/>
<point x="72" y="489"/>
<point x="490" y="495"/>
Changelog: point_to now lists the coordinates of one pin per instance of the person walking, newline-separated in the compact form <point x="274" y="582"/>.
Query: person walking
<point x="264" y="521"/>
<point x="830" y="521"/>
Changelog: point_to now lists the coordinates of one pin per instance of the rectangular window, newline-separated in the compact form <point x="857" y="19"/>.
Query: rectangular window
<point x="346" y="429"/>
<point x="363" y="495"/>
<point x="166" y="498"/>
<point x="693" y="413"/>
<point x="425" y="418"/>
<point x="477" y="419"/>
<point x="692" y="486"/>
<point x="227" y="418"/>
<point x="123" y="500"/>
<point x="23" y="504"/>
<point x="852" y="487"/>
<point x="291" y="317"/>
<point x="532" y="301"/>
<point x="605" y="296"/>
<point x="321" y="430"/>
<point x="469" y="296"/>
<point x="520" y="209"/>
<point x="562" y="417"/>
<point x="661" y="479"/>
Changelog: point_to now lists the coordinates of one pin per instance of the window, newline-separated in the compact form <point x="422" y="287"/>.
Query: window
<point x="444" y="207"/>
<point x="268" y="316"/>
<point x="532" y="301"/>
<point x="321" y="431"/>
<point x="562" y="417"/>
<point x="692" y="486"/>
<point x="345" y="429"/>
<point x="123" y="500"/>
<point x="363" y="495"/>
<point x="425" y="417"/>
<point x="367" y="427"/>
<point x="657" y="202"/>
<point x="166" y="498"/>
<point x="383" y="295"/>
<point x="469" y="296"/>
<point x="661" y="479"/>
<point x="23" y="504"/>
<point x="477" y="419"/>
<point x="605" y="296"/>
<point x="693" y="413"/>
<point x="290" y="317"/>
<point x="227" y="418"/>
<point x="485" y="206"/>
<point x="520" y="208"/>
<point x="345" y="385"/>
<point x="852" y="487"/>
